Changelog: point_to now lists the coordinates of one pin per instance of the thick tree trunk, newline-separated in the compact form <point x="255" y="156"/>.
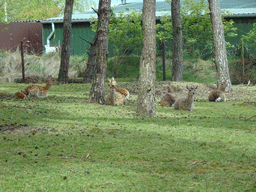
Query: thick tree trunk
<point x="101" y="53"/>
<point x="220" y="52"/>
<point x="65" y="50"/>
<point x="177" y="53"/>
<point x="146" y="96"/>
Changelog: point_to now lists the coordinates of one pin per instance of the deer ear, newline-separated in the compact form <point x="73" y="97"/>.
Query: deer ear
<point x="48" y="77"/>
<point x="113" y="79"/>
<point x="187" y="87"/>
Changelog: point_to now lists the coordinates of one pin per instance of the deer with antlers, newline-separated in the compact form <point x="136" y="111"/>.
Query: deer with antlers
<point x="188" y="102"/>
<point x="116" y="95"/>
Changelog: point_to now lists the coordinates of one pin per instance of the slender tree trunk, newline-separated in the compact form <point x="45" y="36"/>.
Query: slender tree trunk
<point x="91" y="64"/>
<point x="146" y="96"/>
<point x="163" y="59"/>
<point x="220" y="52"/>
<point x="90" y="69"/>
<point x="65" y="50"/>
<point x="177" y="53"/>
<point x="101" y="52"/>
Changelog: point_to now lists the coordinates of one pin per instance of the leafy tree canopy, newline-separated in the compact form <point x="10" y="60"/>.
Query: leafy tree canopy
<point x="197" y="29"/>
<point x="125" y="31"/>
<point x="250" y="38"/>
<point x="39" y="9"/>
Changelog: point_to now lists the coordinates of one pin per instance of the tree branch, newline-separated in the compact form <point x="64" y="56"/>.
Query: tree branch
<point x="251" y="117"/>
<point x="95" y="10"/>
<point x="86" y="40"/>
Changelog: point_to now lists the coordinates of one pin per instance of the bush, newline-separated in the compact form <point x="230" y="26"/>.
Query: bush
<point x="240" y="73"/>
<point x="124" y="66"/>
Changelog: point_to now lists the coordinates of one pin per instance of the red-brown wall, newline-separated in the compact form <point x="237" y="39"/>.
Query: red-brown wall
<point x="29" y="32"/>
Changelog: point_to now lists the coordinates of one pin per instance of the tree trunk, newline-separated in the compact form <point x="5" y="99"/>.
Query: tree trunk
<point x="91" y="64"/>
<point x="146" y="95"/>
<point x="220" y="52"/>
<point x="163" y="59"/>
<point x="90" y="69"/>
<point x="100" y="51"/>
<point x="177" y="53"/>
<point x="65" y="50"/>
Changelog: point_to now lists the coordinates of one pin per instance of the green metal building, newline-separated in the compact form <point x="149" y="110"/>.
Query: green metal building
<point x="243" y="14"/>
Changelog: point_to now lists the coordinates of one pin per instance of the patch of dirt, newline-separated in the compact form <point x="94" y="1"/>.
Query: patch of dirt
<point x="250" y="103"/>
<point x="239" y="92"/>
<point x="6" y="96"/>
<point x="22" y="128"/>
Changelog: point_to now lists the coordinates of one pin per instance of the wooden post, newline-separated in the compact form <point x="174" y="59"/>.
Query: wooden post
<point x="22" y="62"/>
<point x="242" y="55"/>
<point x="163" y="59"/>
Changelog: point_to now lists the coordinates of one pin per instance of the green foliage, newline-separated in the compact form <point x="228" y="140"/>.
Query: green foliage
<point x="39" y="13"/>
<point x="164" y="30"/>
<point x="250" y="38"/>
<point x="125" y="32"/>
<point x="37" y="10"/>
<point x="2" y="19"/>
<point x="194" y="70"/>
<point x="124" y="66"/>
<point x="197" y="29"/>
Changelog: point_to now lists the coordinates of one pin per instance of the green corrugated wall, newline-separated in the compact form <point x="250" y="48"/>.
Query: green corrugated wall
<point x="243" y="25"/>
<point x="78" y="45"/>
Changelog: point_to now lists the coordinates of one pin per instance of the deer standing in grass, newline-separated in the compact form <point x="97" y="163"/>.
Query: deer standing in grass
<point x="116" y="95"/>
<point x="186" y="103"/>
<point x="218" y="95"/>
<point x="168" y="100"/>
<point x="40" y="91"/>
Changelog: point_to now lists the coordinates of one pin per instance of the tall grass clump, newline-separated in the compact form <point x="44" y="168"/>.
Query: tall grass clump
<point x="37" y="65"/>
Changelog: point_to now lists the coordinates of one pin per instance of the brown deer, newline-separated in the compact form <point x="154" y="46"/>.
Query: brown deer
<point x="116" y="95"/>
<point x="218" y="95"/>
<point x="186" y="103"/>
<point x="20" y="95"/>
<point x="168" y="100"/>
<point x="40" y="91"/>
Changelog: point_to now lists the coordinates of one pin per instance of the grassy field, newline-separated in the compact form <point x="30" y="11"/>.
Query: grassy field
<point x="63" y="143"/>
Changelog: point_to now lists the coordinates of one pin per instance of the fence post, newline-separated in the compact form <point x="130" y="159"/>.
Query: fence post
<point x="242" y="55"/>
<point x="22" y="62"/>
<point x="163" y="59"/>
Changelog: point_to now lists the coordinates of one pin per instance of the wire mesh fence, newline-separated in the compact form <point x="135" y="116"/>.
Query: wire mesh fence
<point x="198" y="64"/>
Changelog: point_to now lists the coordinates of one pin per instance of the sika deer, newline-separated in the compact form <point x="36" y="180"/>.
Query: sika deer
<point x="40" y="91"/>
<point x="20" y="95"/>
<point x="186" y="103"/>
<point x="168" y="100"/>
<point x="116" y="95"/>
<point x="218" y="95"/>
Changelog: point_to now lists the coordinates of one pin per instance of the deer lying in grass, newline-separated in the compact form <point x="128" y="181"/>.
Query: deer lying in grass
<point x="40" y="91"/>
<point x="186" y="103"/>
<point x="20" y="95"/>
<point x="116" y="95"/>
<point x="168" y="100"/>
<point x="218" y="95"/>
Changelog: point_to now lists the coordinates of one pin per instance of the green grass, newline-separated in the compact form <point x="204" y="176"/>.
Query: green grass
<point x="71" y="145"/>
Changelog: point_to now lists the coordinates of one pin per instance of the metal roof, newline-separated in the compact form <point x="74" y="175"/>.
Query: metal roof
<point x="238" y="8"/>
